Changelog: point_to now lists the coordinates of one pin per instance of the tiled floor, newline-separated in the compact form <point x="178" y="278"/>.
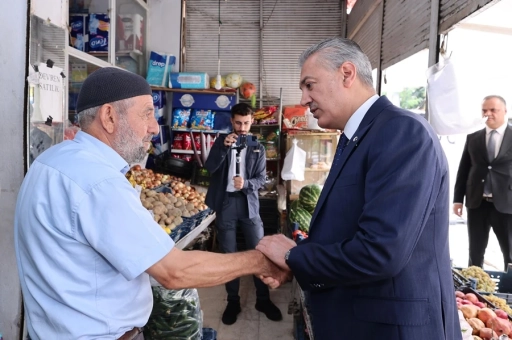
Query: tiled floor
<point x="251" y="324"/>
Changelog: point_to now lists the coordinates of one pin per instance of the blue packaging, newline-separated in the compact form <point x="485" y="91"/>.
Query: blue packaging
<point x="202" y="119"/>
<point x="180" y="118"/>
<point x="159" y="102"/>
<point x="99" y="24"/>
<point x="79" y="34"/>
<point x="189" y="80"/>
<point x="159" y="67"/>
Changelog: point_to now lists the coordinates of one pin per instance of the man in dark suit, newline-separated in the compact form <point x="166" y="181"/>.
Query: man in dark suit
<point x="485" y="179"/>
<point x="234" y="197"/>
<point x="376" y="263"/>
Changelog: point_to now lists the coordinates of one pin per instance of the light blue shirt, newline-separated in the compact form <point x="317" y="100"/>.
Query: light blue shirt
<point x="356" y="119"/>
<point x="83" y="243"/>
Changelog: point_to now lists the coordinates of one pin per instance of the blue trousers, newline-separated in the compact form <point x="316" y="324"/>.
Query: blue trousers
<point x="235" y="212"/>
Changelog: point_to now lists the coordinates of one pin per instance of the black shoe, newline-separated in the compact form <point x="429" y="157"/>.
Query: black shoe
<point x="232" y="310"/>
<point x="269" y="309"/>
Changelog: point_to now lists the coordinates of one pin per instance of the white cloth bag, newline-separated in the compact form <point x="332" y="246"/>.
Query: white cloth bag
<point x="451" y="108"/>
<point x="294" y="163"/>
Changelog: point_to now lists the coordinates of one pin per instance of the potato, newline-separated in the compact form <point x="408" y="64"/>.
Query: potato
<point x="148" y="205"/>
<point x="159" y="209"/>
<point x="157" y="218"/>
<point x="169" y="220"/>
<point x="157" y="203"/>
<point x="178" y="204"/>
<point x="160" y="196"/>
<point x="176" y="212"/>
<point x="169" y="207"/>
<point x="178" y="220"/>
<point x="469" y="311"/>
<point x="151" y="193"/>
<point x="172" y="226"/>
<point x="487" y="333"/>
<point x="486" y="314"/>
<point x="151" y="199"/>
<point x="142" y="196"/>
<point x="190" y="206"/>
<point x="185" y="214"/>
<point x="476" y="324"/>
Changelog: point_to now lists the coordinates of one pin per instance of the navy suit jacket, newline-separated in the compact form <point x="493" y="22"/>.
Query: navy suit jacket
<point x="376" y="263"/>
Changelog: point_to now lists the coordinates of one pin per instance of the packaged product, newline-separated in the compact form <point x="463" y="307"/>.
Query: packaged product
<point x="159" y="67"/>
<point x="202" y="119"/>
<point x="177" y="143"/>
<point x="180" y="118"/>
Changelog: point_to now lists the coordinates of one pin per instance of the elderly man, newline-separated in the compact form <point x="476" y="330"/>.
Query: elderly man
<point x="85" y="245"/>
<point x="376" y="263"/>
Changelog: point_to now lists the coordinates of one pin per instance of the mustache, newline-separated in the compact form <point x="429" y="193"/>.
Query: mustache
<point x="148" y="138"/>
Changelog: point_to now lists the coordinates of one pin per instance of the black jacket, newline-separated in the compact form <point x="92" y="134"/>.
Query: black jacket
<point x="217" y="165"/>
<point x="474" y="166"/>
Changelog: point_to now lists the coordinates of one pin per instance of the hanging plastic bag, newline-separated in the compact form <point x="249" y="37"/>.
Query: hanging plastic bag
<point x="452" y="109"/>
<point x="176" y="315"/>
<point x="294" y="163"/>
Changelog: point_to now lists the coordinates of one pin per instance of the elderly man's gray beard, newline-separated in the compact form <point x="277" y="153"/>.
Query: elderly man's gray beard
<point x="127" y="144"/>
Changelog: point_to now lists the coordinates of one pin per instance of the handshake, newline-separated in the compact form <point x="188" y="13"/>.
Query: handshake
<point x="274" y="270"/>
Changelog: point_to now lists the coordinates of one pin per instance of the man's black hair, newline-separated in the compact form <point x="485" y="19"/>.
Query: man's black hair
<point x="241" y="109"/>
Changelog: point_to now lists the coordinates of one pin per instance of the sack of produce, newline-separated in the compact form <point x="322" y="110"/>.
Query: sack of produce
<point x="176" y="315"/>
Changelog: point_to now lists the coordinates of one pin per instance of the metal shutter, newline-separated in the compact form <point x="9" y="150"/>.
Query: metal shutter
<point x="294" y="26"/>
<point x="406" y="29"/>
<point x="453" y="11"/>
<point x="289" y="29"/>
<point x="364" y="27"/>
<point x="240" y="38"/>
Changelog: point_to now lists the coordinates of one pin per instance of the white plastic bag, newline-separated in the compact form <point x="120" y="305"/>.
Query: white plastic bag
<point x="294" y="163"/>
<point x="452" y="109"/>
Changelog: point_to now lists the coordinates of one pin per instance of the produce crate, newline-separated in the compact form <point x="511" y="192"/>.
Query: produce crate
<point x="182" y="229"/>
<point x="199" y="217"/>
<point x="209" y="334"/>
<point x="459" y="280"/>
<point x="503" y="280"/>
<point x="481" y="297"/>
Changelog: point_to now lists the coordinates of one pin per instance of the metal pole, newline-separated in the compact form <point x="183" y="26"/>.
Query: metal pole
<point x="433" y="43"/>
<point x="261" y="53"/>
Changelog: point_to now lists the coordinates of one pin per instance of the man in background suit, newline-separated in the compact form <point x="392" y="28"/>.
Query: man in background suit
<point x="485" y="178"/>
<point x="376" y="263"/>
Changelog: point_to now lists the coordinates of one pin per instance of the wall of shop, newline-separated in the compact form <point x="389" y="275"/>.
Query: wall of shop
<point x="13" y="34"/>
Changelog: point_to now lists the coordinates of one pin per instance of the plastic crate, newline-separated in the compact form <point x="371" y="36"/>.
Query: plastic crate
<point x="209" y="334"/>
<point x="503" y="279"/>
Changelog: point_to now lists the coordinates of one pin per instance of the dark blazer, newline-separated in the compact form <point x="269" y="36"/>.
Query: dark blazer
<point x="217" y="165"/>
<point x="377" y="262"/>
<point x="474" y="166"/>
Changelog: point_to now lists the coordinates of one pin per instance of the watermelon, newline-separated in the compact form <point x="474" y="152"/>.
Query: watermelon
<point x="295" y="204"/>
<point x="302" y="217"/>
<point x="308" y="197"/>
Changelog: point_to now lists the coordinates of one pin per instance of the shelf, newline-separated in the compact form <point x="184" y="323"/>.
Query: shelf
<point x="206" y="91"/>
<point x="198" y="130"/>
<point x="317" y="170"/>
<point x="189" y="152"/>
<point x="73" y="52"/>
<point x="187" y="239"/>
<point x="264" y="125"/>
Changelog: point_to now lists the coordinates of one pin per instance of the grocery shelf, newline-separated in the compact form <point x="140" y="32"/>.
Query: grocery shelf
<point x="188" y="152"/>
<point x="186" y="240"/>
<point x="197" y="130"/>
<point x="206" y="91"/>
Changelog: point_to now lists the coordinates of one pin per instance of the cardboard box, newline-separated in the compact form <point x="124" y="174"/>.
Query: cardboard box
<point x="295" y="117"/>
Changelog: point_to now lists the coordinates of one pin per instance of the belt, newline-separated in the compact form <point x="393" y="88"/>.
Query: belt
<point x="236" y="194"/>
<point x="131" y="334"/>
<point x="488" y="199"/>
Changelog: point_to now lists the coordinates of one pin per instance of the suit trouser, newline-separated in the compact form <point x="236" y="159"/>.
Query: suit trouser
<point x="480" y="221"/>
<point x="235" y="211"/>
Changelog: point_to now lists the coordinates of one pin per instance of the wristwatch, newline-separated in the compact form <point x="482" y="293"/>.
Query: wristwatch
<point x="286" y="256"/>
